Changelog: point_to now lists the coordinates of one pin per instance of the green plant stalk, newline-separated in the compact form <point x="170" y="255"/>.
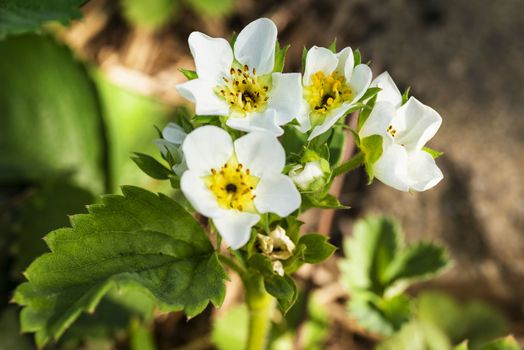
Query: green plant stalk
<point x="351" y="164"/>
<point x="260" y="305"/>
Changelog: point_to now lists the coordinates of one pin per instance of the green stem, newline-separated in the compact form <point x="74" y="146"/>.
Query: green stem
<point x="260" y="305"/>
<point x="231" y="263"/>
<point x="351" y="164"/>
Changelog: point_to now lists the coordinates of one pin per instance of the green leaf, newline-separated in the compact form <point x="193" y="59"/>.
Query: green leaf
<point x="54" y="124"/>
<point x="417" y="335"/>
<point x="22" y="16"/>
<point x="283" y="288"/>
<point x="317" y="247"/>
<point x="374" y="244"/>
<point x="418" y="261"/>
<point x="337" y="144"/>
<point x="280" y="57"/>
<point x="150" y="14"/>
<point x="507" y="343"/>
<point x="462" y="346"/>
<point x="211" y="7"/>
<point x="379" y="315"/>
<point x="357" y="57"/>
<point x="138" y="241"/>
<point x="189" y="74"/>
<point x="333" y="46"/>
<point x="151" y="166"/>
<point x="371" y="146"/>
<point x="230" y="329"/>
<point x="432" y="152"/>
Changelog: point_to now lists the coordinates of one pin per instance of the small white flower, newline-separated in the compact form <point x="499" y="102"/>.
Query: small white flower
<point x="172" y="138"/>
<point x="405" y="129"/>
<point x="278" y="268"/>
<point x="304" y="175"/>
<point x="331" y="85"/>
<point x="240" y="82"/>
<point x="232" y="182"/>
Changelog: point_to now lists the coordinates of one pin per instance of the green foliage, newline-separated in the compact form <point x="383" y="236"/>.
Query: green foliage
<point x="432" y="152"/>
<point x="151" y="166"/>
<point x="211" y="7"/>
<point x="47" y="127"/>
<point x="405" y="95"/>
<point x="283" y="288"/>
<point x="333" y="46"/>
<point x="23" y="16"/>
<point x="317" y="248"/>
<point x="371" y="146"/>
<point x="136" y="241"/>
<point x="379" y="267"/>
<point x="417" y="335"/>
<point x="141" y="337"/>
<point x="507" y="343"/>
<point x="230" y="329"/>
<point x="150" y="13"/>
<point x="336" y="146"/>
<point x="475" y="321"/>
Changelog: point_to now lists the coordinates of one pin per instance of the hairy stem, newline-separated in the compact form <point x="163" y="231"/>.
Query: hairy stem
<point x="260" y="305"/>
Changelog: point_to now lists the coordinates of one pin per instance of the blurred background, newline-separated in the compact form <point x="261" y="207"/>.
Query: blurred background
<point x="76" y="101"/>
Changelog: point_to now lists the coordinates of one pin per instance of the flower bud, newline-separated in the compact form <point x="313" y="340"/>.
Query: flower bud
<point x="309" y="176"/>
<point x="172" y="138"/>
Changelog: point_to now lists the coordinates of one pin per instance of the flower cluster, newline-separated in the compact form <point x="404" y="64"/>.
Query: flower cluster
<point x="265" y="145"/>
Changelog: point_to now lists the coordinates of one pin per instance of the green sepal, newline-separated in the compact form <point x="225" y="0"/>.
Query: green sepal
<point x="189" y="74"/>
<point x="434" y="153"/>
<point x="405" y="95"/>
<point x="303" y="59"/>
<point x="370" y="93"/>
<point x="365" y="112"/>
<point x="151" y="166"/>
<point x="333" y="46"/>
<point x="326" y="202"/>
<point x="357" y="57"/>
<point x="462" y="346"/>
<point x="207" y="120"/>
<point x="317" y="248"/>
<point x="284" y="289"/>
<point x="371" y="146"/>
<point x="138" y="241"/>
<point x="280" y="57"/>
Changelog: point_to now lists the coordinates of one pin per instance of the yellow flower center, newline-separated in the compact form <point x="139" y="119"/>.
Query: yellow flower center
<point x="233" y="186"/>
<point x="326" y="93"/>
<point x="244" y="91"/>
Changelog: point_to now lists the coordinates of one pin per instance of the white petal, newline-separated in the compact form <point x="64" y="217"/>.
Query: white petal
<point x="207" y="147"/>
<point x="330" y="120"/>
<point x="360" y="80"/>
<point x="389" y="92"/>
<point x="235" y="226"/>
<point x="346" y="62"/>
<point x="285" y="96"/>
<point x="277" y="194"/>
<point x="379" y="119"/>
<point x="416" y="124"/>
<point x="423" y="171"/>
<point x="213" y="56"/>
<point x="201" y="93"/>
<point x="265" y="121"/>
<point x="198" y="194"/>
<point x="174" y="133"/>
<point x="255" y="45"/>
<point x="261" y="153"/>
<point x="319" y="59"/>
<point x="303" y="117"/>
<point x="392" y="167"/>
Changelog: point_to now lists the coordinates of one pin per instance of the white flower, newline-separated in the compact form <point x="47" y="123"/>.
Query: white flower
<point x="232" y="182"/>
<point x="172" y="138"/>
<point x="240" y="82"/>
<point x="331" y="85"/>
<point x="304" y="175"/>
<point x="405" y="129"/>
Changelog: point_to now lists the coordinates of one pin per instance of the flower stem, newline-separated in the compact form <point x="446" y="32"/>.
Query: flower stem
<point x="351" y="164"/>
<point x="260" y="305"/>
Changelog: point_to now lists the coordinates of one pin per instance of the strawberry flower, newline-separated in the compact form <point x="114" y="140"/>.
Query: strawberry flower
<point x="233" y="182"/>
<point x="240" y="83"/>
<point x="405" y="129"/>
<point x="331" y="86"/>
